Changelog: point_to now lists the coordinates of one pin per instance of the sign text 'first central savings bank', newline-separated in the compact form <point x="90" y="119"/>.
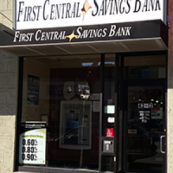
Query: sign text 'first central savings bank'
<point x="85" y="12"/>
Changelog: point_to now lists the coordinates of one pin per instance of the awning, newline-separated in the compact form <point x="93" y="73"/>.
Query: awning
<point x="110" y="38"/>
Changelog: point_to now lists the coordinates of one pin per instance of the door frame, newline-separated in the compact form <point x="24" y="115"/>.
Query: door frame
<point x="120" y="101"/>
<point x="140" y="82"/>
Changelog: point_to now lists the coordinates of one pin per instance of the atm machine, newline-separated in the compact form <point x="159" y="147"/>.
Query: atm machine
<point x="75" y="124"/>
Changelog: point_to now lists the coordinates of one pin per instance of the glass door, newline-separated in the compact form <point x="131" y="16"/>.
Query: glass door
<point x="133" y="110"/>
<point x="144" y="126"/>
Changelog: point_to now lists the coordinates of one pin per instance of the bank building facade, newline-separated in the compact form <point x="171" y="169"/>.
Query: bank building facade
<point x="86" y="86"/>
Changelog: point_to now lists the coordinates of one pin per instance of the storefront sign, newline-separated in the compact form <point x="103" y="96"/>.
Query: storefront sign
<point x="110" y="109"/>
<point x="132" y="131"/>
<point x="144" y="116"/>
<point x="32" y="145"/>
<point x="85" y="34"/>
<point x="81" y="33"/>
<point x="145" y="105"/>
<point x="109" y="132"/>
<point x="33" y="90"/>
<point x="157" y="113"/>
<point x="111" y="120"/>
<point x="64" y="13"/>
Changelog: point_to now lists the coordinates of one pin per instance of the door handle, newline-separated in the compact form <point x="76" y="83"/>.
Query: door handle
<point x="161" y="144"/>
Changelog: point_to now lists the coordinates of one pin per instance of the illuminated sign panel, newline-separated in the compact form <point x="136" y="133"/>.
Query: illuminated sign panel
<point x="30" y="14"/>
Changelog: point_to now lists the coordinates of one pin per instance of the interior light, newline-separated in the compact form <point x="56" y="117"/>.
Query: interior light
<point x="110" y="63"/>
<point x="161" y="102"/>
<point x="85" y="64"/>
<point x="152" y="100"/>
<point x="157" y="101"/>
<point x="107" y="63"/>
<point x="140" y="100"/>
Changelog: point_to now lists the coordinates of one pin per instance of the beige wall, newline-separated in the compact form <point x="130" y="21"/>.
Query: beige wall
<point x="6" y="13"/>
<point x="8" y="96"/>
<point x="8" y="110"/>
<point x="170" y="92"/>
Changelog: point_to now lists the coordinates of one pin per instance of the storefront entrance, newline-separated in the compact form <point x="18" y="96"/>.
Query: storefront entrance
<point x="141" y="126"/>
<point x="137" y="89"/>
<point x="103" y="112"/>
<point x="144" y="126"/>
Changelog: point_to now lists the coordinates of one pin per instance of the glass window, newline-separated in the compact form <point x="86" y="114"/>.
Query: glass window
<point x="145" y="67"/>
<point x="64" y="92"/>
<point x="144" y="112"/>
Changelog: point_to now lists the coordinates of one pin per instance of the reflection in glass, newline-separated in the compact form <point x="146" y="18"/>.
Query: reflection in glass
<point x="69" y="86"/>
<point x="145" y="67"/>
<point x="145" y="124"/>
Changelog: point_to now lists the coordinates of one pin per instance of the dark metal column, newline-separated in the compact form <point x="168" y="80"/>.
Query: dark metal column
<point x="19" y="112"/>
<point x="116" y="135"/>
<point x="101" y="108"/>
